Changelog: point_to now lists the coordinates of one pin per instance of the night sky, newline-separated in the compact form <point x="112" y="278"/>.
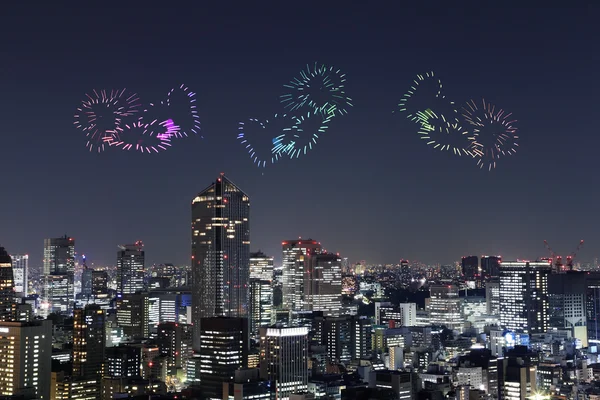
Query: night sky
<point x="370" y="190"/>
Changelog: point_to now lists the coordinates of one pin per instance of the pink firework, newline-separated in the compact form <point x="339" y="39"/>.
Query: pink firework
<point x="100" y="114"/>
<point x="143" y="137"/>
<point x="180" y="108"/>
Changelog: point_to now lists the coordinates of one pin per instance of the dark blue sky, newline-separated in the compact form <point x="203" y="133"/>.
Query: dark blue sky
<point x="371" y="189"/>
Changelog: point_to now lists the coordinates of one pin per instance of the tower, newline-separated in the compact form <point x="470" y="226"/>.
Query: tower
<point x="20" y="263"/>
<point x="6" y="286"/>
<point x="59" y="269"/>
<point x="130" y="268"/>
<point x="293" y="270"/>
<point x="220" y="253"/>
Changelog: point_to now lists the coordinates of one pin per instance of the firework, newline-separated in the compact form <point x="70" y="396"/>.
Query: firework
<point x="494" y="133"/>
<point x="304" y="133"/>
<point x="143" y="137"/>
<point x="262" y="138"/>
<point x="100" y="113"/>
<point x="319" y="88"/>
<point x="180" y="108"/>
<point x="444" y="134"/>
<point x="426" y="92"/>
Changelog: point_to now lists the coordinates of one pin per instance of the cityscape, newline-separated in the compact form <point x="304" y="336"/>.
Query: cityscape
<point x="299" y="201"/>
<point x="235" y="325"/>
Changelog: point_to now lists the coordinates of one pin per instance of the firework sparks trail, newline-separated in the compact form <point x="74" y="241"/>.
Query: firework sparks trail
<point x="302" y="137"/>
<point x="494" y="133"/>
<point x="101" y="113"/>
<point x="320" y="88"/>
<point x="188" y="123"/>
<point x="260" y="138"/>
<point x="142" y="137"/>
<point x="444" y="134"/>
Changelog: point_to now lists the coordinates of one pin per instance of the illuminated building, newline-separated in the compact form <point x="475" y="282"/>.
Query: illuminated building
<point x="444" y="307"/>
<point x="130" y="268"/>
<point x="6" y="287"/>
<point x="524" y="301"/>
<point x="59" y="269"/>
<point x="293" y="271"/>
<point x="492" y="296"/>
<point x="99" y="283"/>
<point x="122" y="362"/>
<point x="261" y="266"/>
<point x="284" y="359"/>
<point x="567" y="303"/>
<point x="25" y="358"/>
<point x="224" y="349"/>
<point x="133" y="315"/>
<point x="64" y="387"/>
<point x="261" y="305"/>
<point x="517" y="373"/>
<point x="20" y="265"/>
<point x="408" y="312"/>
<point x="175" y="342"/>
<point x="322" y="283"/>
<point x="89" y="342"/>
<point x="220" y="253"/>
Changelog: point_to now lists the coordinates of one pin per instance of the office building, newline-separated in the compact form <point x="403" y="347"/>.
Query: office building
<point x="408" y="312"/>
<point x="261" y="266"/>
<point x="261" y="305"/>
<point x="58" y="271"/>
<point x="26" y="349"/>
<point x="322" y="283"/>
<point x="87" y="283"/>
<point x="492" y="296"/>
<point x="224" y="349"/>
<point x="133" y="315"/>
<point x="7" y="285"/>
<point x="284" y="359"/>
<point x="89" y="342"/>
<point x="444" y="306"/>
<point x="490" y="266"/>
<point x="567" y="303"/>
<point x="470" y="268"/>
<point x="175" y="343"/>
<point x="99" y="283"/>
<point x="524" y="301"/>
<point x="20" y="265"/>
<point x="220" y="253"/>
<point x="293" y="270"/>
<point x="130" y="268"/>
<point x="517" y="373"/>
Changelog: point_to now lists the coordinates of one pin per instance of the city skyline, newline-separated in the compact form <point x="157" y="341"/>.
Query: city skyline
<point x="434" y="207"/>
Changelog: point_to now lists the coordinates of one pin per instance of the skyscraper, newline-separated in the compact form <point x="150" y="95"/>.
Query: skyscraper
<point x="89" y="342"/>
<point x="261" y="266"/>
<point x="470" y="267"/>
<point x="261" y="305"/>
<point x="293" y="270"/>
<point x="6" y="286"/>
<point x="220" y="253"/>
<point x="524" y="301"/>
<point x="323" y="283"/>
<point x="59" y="269"/>
<point x="490" y="266"/>
<point x="444" y="306"/>
<point x="20" y="264"/>
<point x="130" y="268"/>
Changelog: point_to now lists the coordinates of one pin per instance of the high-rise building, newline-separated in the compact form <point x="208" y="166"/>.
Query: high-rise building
<point x="408" y="311"/>
<point x="87" y="282"/>
<point x="89" y="342"/>
<point x="444" y="306"/>
<point x="293" y="271"/>
<point x="470" y="268"/>
<point x="133" y="315"/>
<point x="224" y="349"/>
<point x="99" y="282"/>
<point x="284" y="359"/>
<point x="26" y="350"/>
<point x="175" y="343"/>
<point x="490" y="266"/>
<point x="261" y="266"/>
<point x="20" y="263"/>
<point x="567" y="303"/>
<point x="524" y="301"/>
<point x="322" y="283"/>
<point x="59" y="270"/>
<point x="7" y="285"/>
<point x="405" y="273"/>
<point x="220" y="253"/>
<point x="492" y="296"/>
<point x="130" y="268"/>
<point x="261" y="305"/>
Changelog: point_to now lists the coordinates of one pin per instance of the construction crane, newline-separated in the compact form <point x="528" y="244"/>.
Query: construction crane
<point x="573" y="254"/>
<point x="557" y="259"/>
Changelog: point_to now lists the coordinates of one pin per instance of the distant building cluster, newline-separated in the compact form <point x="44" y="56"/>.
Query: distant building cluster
<point x="237" y="325"/>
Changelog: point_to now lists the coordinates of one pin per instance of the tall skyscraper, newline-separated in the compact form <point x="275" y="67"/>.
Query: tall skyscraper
<point x="444" y="306"/>
<point x="89" y="342"/>
<point x="323" y="283"/>
<point x="261" y="266"/>
<point x="261" y="305"/>
<point x="26" y="350"/>
<point x="490" y="266"/>
<point x="6" y="286"/>
<point x="130" y="268"/>
<point x="293" y="270"/>
<point x="284" y="359"/>
<point x="220" y="253"/>
<point x="524" y="301"/>
<point x="59" y="270"/>
<point x="21" y="273"/>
